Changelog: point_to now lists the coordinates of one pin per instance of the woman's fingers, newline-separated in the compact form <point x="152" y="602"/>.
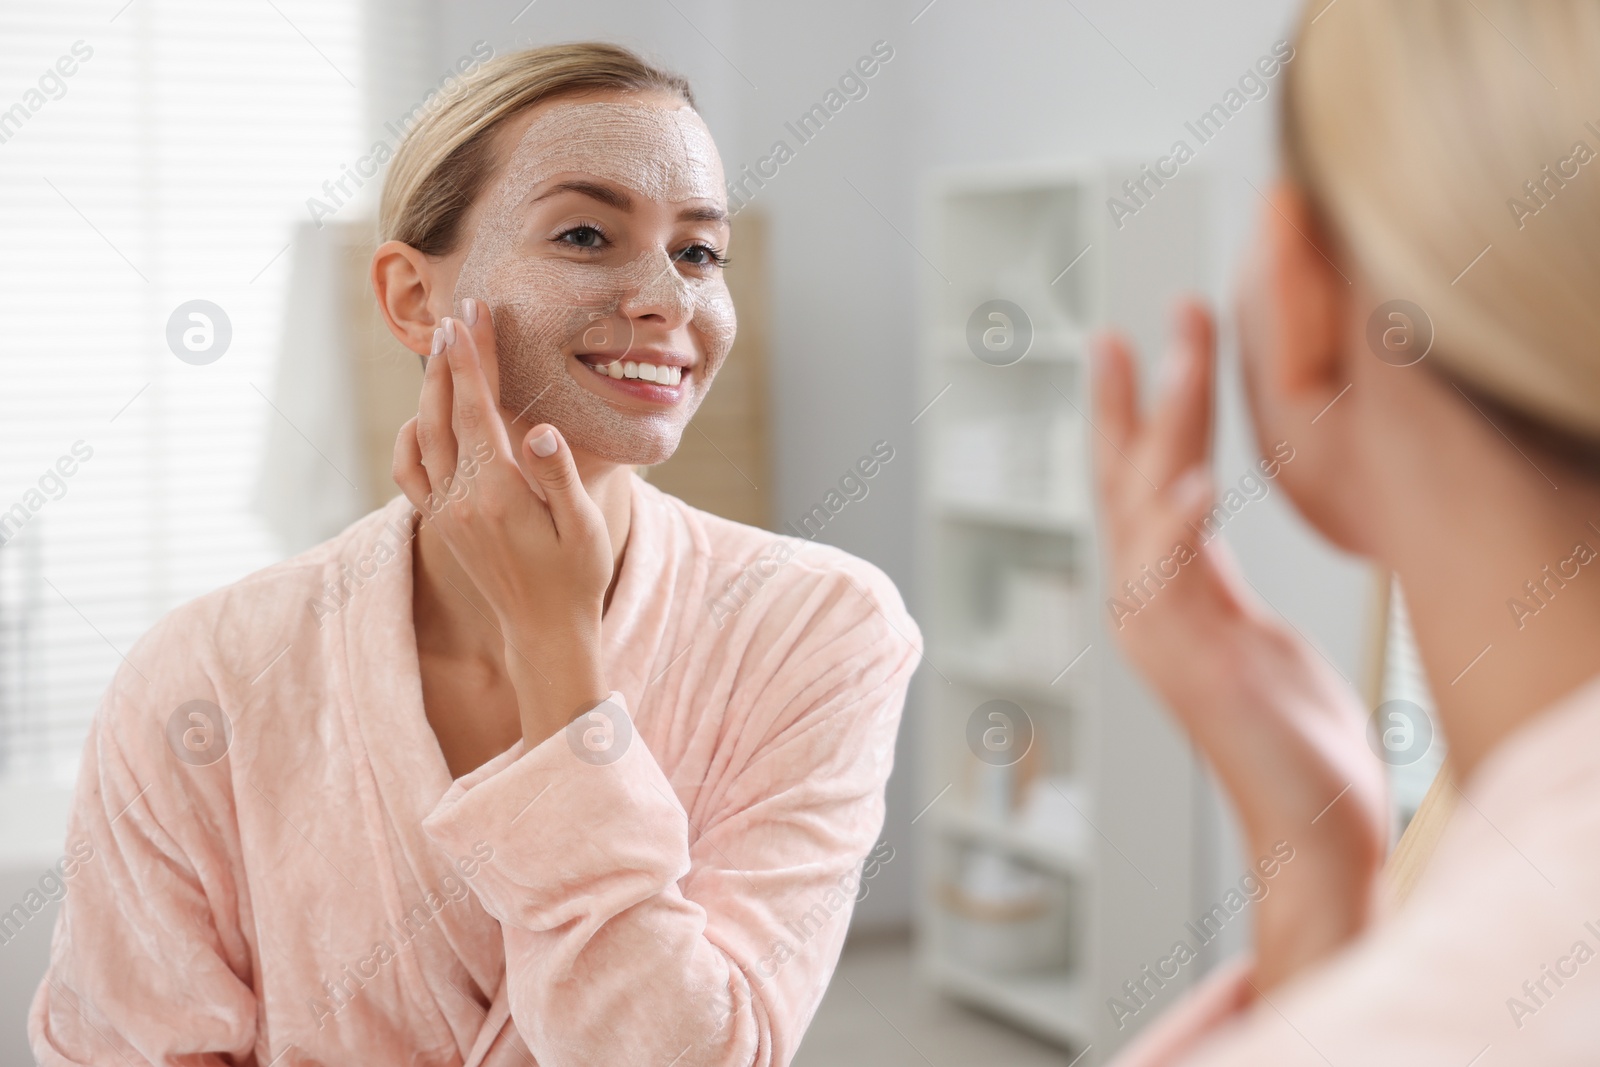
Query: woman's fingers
<point x="1180" y="427"/>
<point x="1191" y="495"/>
<point x="1116" y="389"/>
<point x="1187" y="503"/>
<point x="479" y="320"/>
<point x="550" y="460"/>
<point x="1116" y="408"/>
<point x="475" y="412"/>
<point x="434" y="431"/>
<point x="408" y="472"/>
<point x="1153" y="470"/>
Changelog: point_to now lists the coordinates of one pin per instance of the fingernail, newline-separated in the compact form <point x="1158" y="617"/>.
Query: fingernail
<point x="469" y="311"/>
<point x="544" y="444"/>
<point x="449" y="330"/>
<point x="438" y="342"/>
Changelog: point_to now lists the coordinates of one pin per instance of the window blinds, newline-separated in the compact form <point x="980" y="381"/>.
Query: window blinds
<point x="153" y="153"/>
<point x="1403" y="679"/>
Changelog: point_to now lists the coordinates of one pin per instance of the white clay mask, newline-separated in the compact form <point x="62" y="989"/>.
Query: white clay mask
<point x="548" y="305"/>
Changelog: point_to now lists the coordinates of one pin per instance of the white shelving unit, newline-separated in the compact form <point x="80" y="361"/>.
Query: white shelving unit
<point x="1058" y="783"/>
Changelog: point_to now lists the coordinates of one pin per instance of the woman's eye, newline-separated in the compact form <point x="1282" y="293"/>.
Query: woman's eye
<point x="702" y="256"/>
<point x="582" y="237"/>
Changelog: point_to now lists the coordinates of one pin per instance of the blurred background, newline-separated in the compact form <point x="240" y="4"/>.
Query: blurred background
<point x="196" y="385"/>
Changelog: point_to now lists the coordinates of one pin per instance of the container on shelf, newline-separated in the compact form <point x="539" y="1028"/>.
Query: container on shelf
<point x="1037" y="633"/>
<point x="1040" y="627"/>
<point x="1054" y="807"/>
<point x="1018" y="459"/>
<point x="1003" y="916"/>
<point x="998" y="784"/>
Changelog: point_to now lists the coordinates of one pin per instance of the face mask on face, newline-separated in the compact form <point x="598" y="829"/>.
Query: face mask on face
<point x="548" y="306"/>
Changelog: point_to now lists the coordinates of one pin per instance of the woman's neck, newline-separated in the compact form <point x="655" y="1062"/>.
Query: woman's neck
<point x="1490" y="546"/>
<point x="451" y="615"/>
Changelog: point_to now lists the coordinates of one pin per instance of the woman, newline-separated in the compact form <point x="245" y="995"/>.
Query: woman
<point x="497" y="773"/>
<point x="1437" y="153"/>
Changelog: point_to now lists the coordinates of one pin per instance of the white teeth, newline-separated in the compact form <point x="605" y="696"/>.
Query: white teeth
<point x="648" y="372"/>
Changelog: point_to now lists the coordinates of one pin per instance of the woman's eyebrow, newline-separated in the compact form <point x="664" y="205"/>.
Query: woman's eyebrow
<point x="702" y="214"/>
<point x="623" y="202"/>
<point x="604" y="193"/>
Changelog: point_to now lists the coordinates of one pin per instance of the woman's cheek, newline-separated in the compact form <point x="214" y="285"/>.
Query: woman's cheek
<point x="715" y="321"/>
<point x="527" y="347"/>
<point x="540" y="309"/>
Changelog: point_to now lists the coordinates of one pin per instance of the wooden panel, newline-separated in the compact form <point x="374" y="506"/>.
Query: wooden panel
<point x="1415" y="850"/>
<point x="386" y="377"/>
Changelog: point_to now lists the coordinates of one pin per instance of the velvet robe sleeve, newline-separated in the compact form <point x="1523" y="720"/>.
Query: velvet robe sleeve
<point x="148" y="962"/>
<point x="636" y="932"/>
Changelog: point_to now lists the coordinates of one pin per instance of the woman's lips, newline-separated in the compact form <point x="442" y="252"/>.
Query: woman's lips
<point x="661" y="383"/>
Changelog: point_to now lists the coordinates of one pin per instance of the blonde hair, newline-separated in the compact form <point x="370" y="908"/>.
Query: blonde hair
<point x="447" y="157"/>
<point x="1418" y="127"/>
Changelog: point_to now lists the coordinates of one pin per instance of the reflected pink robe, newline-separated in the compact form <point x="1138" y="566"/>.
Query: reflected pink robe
<point x="325" y="894"/>
<point x="1494" y="961"/>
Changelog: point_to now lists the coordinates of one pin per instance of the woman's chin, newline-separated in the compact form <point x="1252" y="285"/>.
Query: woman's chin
<point x="637" y="447"/>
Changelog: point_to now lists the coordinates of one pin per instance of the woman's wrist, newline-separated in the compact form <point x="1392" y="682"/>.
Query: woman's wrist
<point x="1313" y="804"/>
<point x="1319" y="903"/>
<point x="1325" y="892"/>
<point x="557" y="674"/>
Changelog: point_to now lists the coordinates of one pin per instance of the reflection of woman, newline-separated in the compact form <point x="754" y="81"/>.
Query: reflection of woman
<point x="1438" y="154"/>
<point x="504" y="786"/>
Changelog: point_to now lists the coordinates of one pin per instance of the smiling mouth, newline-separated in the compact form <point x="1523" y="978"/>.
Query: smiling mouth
<point x="639" y="370"/>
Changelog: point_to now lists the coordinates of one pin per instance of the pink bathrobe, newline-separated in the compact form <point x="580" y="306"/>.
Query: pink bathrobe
<point x="1494" y="961"/>
<point x="306" y="884"/>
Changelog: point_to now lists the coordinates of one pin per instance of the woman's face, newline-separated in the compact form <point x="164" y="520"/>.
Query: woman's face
<point x="596" y="246"/>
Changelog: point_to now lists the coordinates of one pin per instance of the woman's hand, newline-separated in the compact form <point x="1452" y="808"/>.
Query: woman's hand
<point x="535" y="548"/>
<point x="1281" y="728"/>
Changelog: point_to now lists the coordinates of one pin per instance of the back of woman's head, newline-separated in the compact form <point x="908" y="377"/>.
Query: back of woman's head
<point x="447" y="158"/>
<point x="1453" y="151"/>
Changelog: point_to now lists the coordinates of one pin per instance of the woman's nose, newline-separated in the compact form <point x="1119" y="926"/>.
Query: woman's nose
<point x="655" y="287"/>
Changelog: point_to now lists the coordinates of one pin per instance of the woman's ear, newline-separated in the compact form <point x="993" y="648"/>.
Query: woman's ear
<point x="1297" y="351"/>
<point x="403" y="280"/>
<point x="1292" y="306"/>
<point x="1305" y="349"/>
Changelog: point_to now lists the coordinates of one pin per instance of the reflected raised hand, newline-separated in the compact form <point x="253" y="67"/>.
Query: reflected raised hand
<point x="1282" y="729"/>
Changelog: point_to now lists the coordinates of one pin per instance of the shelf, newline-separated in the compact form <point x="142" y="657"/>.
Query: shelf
<point x="1051" y="1005"/>
<point x="1050" y="348"/>
<point x="1010" y="577"/>
<point x="1022" y="515"/>
<point x="1055" y="853"/>
<point x="973" y="672"/>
